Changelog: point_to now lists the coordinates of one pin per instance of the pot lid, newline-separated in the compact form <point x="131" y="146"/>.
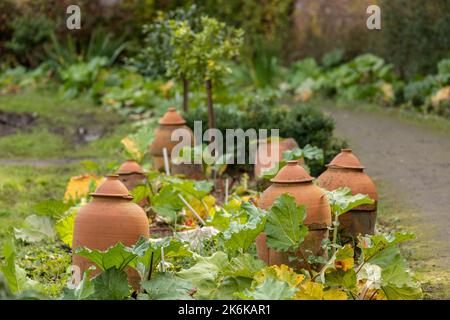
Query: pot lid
<point x="346" y="159"/>
<point x="171" y="117"/>
<point x="112" y="187"/>
<point x="129" y="167"/>
<point x="292" y="172"/>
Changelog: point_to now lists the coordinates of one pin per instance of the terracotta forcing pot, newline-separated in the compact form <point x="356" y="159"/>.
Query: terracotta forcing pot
<point x="131" y="175"/>
<point x="109" y="218"/>
<point x="189" y="170"/>
<point x="293" y="179"/>
<point x="170" y="122"/>
<point x="269" y="153"/>
<point x="345" y="170"/>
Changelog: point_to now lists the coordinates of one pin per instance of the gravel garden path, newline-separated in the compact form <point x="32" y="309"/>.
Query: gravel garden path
<point x="410" y="162"/>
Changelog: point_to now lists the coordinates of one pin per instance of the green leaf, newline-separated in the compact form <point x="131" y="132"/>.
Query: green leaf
<point x="64" y="226"/>
<point x="243" y="265"/>
<point x="35" y="229"/>
<point x="165" y="286"/>
<point x="313" y="153"/>
<point x="340" y="278"/>
<point x="149" y="250"/>
<point x="117" y="256"/>
<point x="83" y="290"/>
<point x="397" y="282"/>
<point x="270" y="289"/>
<point x="284" y="227"/>
<point x="341" y="200"/>
<point x="197" y="189"/>
<point x="220" y="220"/>
<point x="205" y="274"/>
<point x="52" y="208"/>
<point x="140" y="193"/>
<point x="167" y="203"/>
<point x="374" y="245"/>
<point x="240" y="236"/>
<point x="14" y="275"/>
<point x="111" y="284"/>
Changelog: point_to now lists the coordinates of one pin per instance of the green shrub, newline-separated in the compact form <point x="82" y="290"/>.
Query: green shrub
<point x="30" y="34"/>
<point x="303" y="123"/>
<point x="414" y="34"/>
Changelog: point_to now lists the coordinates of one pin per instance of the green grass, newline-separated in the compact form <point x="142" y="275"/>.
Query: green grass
<point x="54" y="134"/>
<point x="22" y="186"/>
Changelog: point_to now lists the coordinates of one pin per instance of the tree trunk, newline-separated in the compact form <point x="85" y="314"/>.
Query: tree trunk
<point x="211" y="116"/>
<point x="185" y="94"/>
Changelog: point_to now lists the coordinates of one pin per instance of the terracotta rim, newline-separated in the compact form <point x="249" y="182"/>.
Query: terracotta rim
<point x="171" y="118"/>
<point x="346" y="159"/>
<point x="130" y="166"/>
<point x="292" y="169"/>
<point x="112" y="178"/>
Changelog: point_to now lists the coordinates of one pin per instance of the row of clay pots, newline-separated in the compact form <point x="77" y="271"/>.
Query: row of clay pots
<point x="345" y="170"/>
<point x="111" y="216"/>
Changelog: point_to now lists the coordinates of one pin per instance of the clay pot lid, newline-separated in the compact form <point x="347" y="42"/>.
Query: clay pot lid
<point x="171" y="117"/>
<point x="112" y="187"/>
<point x="292" y="173"/>
<point x="129" y="167"/>
<point x="346" y="159"/>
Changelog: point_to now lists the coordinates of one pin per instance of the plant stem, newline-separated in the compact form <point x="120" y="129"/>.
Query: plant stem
<point x="335" y="232"/>
<point x="211" y="116"/>
<point x="151" y="267"/>
<point x="185" y="93"/>
<point x="307" y="264"/>
<point x="373" y="294"/>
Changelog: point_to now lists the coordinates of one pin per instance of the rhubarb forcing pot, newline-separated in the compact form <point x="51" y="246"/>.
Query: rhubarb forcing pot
<point x="294" y="180"/>
<point x="109" y="218"/>
<point x="270" y="152"/>
<point x="131" y="174"/>
<point x="170" y="122"/>
<point x="345" y="170"/>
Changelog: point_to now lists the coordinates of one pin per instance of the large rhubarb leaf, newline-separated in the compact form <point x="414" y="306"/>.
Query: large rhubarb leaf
<point x="341" y="200"/>
<point x="166" y="286"/>
<point x="284" y="228"/>
<point x="270" y="289"/>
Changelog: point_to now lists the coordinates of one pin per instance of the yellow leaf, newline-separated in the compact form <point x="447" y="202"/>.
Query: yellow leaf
<point x="166" y="87"/>
<point x="131" y="148"/>
<point x="344" y="258"/>
<point x="334" y="294"/>
<point x="282" y="273"/>
<point x="440" y="96"/>
<point x="344" y="264"/>
<point x="78" y="186"/>
<point x="310" y="291"/>
<point x="203" y="208"/>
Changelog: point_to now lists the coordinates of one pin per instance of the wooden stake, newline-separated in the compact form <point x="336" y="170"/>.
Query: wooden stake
<point x="166" y="161"/>
<point x="192" y="209"/>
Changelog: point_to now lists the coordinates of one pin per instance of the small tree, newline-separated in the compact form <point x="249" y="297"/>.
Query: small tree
<point x="181" y="65"/>
<point x="165" y="53"/>
<point x="204" y="54"/>
<point x="213" y="47"/>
